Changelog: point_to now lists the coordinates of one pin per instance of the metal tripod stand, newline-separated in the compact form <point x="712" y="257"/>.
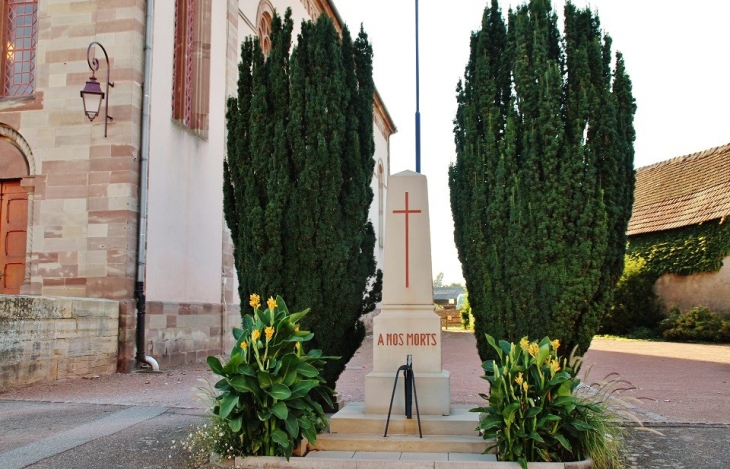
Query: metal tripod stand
<point x="410" y="388"/>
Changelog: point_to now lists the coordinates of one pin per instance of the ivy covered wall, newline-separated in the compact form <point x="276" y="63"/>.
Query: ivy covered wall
<point x="684" y="251"/>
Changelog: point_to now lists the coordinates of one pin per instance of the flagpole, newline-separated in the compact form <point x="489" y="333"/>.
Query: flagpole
<point x="418" y="111"/>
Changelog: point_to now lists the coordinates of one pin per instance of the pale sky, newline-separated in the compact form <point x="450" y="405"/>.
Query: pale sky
<point x="677" y="54"/>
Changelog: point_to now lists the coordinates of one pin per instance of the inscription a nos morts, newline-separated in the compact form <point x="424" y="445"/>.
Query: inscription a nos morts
<point x="407" y="339"/>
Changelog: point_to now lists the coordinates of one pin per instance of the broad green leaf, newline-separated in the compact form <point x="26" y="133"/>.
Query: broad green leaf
<point x="222" y="385"/>
<point x="297" y="403"/>
<point x="490" y="341"/>
<point x="314" y="405"/>
<point x="265" y="379"/>
<point x="288" y="370"/>
<point x="246" y="369"/>
<point x="535" y="436"/>
<point x="315" y="353"/>
<point x="543" y="353"/>
<point x="308" y="433"/>
<point x="263" y="414"/>
<point x="532" y="412"/>
<point x="279" y="391"/>
<point x="281" y="304"/>
<point x="244" y="384"/>
<point x="563" y="400"/>
<point x="548" y="418"/>
<point x="293" y="318"/>
<point x="563" y="442"/>
<point x="302" y="336"/>
<point x="235" y="423"/>
<point x="301" y="388"/>
<point x="307" y="370"/>
<point x="510" y="410"/>
<point x="292" y="425"/>
<point x="280" y="438"/>
<point x="232" y="366"/>
<point x="559" y="378"/>
<point x="505" y="346"/>
<point x="215" y="365"/>
<point x="237" y="334"/>
<point x="280" y="410"/>
<point x="248" y="321"/>
<point x="227" y="403"/>
<point x="490" y="422"/>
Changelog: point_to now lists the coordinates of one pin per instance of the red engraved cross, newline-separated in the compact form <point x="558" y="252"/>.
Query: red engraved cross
<point x="407" y="212"/>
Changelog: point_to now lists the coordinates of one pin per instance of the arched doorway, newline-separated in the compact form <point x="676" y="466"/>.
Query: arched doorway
<point x="13" y="217"/>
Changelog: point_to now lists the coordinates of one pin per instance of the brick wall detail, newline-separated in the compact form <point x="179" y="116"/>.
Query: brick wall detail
<point x="178" y="333"/>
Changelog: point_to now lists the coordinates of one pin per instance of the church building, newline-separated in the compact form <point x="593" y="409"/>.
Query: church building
<point x="119" y="208"/>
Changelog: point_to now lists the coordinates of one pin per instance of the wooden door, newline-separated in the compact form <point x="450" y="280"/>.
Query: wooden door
<point x="13" y="227"/>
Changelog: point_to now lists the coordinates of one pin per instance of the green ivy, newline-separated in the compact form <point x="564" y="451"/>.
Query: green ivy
<point x="684" y="251"/>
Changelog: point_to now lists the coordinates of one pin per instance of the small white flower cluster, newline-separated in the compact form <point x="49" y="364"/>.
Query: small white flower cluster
<point x="202" y="441"/>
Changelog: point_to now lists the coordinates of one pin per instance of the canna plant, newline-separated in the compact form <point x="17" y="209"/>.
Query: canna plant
<point x="268" y="384"/>
<point x="533" y="413"/>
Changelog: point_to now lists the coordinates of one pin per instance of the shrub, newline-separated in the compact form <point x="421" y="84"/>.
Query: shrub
<point x="636" y="310"/>
<point x="466" y="319"/>
<point x="534" y="413"/>
<point x="269" y="383"/>
<point x="698" y="324"/>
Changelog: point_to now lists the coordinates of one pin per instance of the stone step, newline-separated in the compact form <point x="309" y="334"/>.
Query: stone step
<point x="352" y="420"/>
<point x="399" y="443"/>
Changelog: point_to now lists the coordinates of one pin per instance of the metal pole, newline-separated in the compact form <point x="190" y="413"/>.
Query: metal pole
<point x="408" y="385"/>
<point x="418" y="110"/>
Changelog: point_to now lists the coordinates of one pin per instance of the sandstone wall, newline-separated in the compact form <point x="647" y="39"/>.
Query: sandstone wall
<point x="705" y="289"/>
<point x="48" y="338"/>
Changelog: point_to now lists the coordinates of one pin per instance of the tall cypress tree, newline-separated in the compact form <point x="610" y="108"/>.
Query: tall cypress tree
<point x="542" y="186"/>
<point x="297" y="180"/>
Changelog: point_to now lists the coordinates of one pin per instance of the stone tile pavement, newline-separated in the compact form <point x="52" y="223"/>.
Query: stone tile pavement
<point x="131" y="420"/>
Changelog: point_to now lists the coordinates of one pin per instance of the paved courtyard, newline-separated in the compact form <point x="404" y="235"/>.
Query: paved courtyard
<point x="131" y="420"/>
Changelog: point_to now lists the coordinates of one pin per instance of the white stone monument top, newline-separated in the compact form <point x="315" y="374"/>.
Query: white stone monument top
<point x="407" y="276"/>
<point x="407" y="323"/>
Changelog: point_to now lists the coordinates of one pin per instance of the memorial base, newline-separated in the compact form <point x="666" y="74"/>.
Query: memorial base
<point x="433" y="391"/>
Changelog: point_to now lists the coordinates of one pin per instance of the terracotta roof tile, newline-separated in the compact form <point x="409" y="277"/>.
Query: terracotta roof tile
<point x="682" y="191"/>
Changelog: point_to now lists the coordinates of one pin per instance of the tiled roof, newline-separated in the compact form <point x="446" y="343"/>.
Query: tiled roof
<point x="682" y="191"/>
<point x="447" y="293"/>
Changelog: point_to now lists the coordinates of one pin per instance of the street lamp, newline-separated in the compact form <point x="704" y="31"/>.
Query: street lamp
<point x="92" y="95"/>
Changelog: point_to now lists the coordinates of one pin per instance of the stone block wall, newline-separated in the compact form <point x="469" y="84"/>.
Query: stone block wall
<point x="43" y="339"/>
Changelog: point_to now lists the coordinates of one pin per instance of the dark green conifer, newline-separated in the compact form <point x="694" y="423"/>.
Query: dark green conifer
<point x="542" y="186"/>
<point x="297" y="180"/>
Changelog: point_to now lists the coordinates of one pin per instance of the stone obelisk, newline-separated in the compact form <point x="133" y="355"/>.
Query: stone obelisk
<point x="407" y="323"/>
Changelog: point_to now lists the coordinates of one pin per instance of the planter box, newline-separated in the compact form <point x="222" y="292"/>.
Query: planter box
<point x="271" y="462"/>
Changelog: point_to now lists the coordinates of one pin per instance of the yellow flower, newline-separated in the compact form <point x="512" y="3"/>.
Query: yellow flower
<point x="555" y="343"/>
<point x="254" y="300"/>
<point x="255" y="335"/>
<point x="269" y="331"/>
<point x="296" y="329"/>
<point x="533" y="349"/>
<point x="298" y="345"/>
<point x="519" y="380"/>
<point x="554" y="366"/>
<point x="271" y="303"/>
<point x="524" y="343"/>
<point x="244" y="345"/>
<point x="525" y="386"/>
